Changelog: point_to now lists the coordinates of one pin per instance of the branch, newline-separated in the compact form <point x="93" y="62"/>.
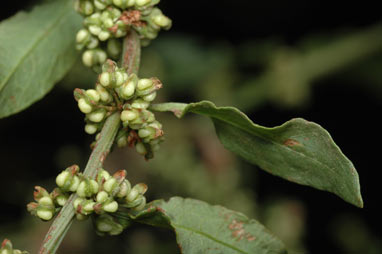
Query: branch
<point x="57" y="231"/>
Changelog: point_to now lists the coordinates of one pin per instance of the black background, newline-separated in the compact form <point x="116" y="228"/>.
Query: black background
<point x="350" y="115"/>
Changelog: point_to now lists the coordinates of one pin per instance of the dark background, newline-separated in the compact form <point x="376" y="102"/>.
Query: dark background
<point x="348" y="109"/>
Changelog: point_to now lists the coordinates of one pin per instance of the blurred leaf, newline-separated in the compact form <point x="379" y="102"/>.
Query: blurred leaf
<point x="299" y="151"/>
<point x="202" y="228"/>
<point x="291" y="72"/>
<point x="36" y="51"/>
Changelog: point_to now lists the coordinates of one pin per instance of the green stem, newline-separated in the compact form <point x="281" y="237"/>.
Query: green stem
<point x="60" y="226"/>
<point x="131" y="54"/>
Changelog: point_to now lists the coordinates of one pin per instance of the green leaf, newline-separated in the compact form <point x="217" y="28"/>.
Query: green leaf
<point x="203" y="228"/>
<point x="299" y="151"/>
<point x="36" y="50"/>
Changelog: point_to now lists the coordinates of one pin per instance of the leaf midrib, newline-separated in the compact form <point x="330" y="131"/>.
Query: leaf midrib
<point x="270" y="140"/>
<point x="31" y="49"/>
<point x="208" y="236"/>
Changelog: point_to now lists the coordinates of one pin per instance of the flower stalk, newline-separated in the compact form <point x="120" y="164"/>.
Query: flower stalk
<point x="130" y="59"/>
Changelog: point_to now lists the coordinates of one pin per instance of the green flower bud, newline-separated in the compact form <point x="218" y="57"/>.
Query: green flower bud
<point x="61" y="200"/>
<point x="108" y="22"/>
<point x="144" y="84"/>
<point x="150" y="97"/>
<point x="92" y="43"/>
<point x="81" y="217"/>
<point x="101" y="56"/>
<point x="120" y="33"/>
<point x="99" y="5"/>
<point x="127" y="90"/>
<point x="119" y="78"/>
<point x="94" y="19"/>
<point x="136" y="202"/>
<point x="102" y="196"/>
<point x="59" y="197"/>
<point x="74" y="184"/>
<point x="91" y="129"/>
<point x="162" y="21"/>
<point x="77" y="202"/>
<point x="129" y="115"/>
<point x="141" y="3"/>
<point x="114" y="47"/>
<point x="118" y="3"/>
<point x="87" y="188"/>
<point x="46" y="201"/>
<point x="87" y="207"/>
<point x="84" y="7"/>
<point x="146" y="132"/>
<point x="103" y="35"/>
<point x="110" y="207"/>
<point x="67" y="180"/>
<point x="105" y="79"/>
<point x="140" y="148"/>
<point x="104" y="94"/>
<point x="103" y="226"/>
<point x="132" y="196"/>
<point x="94" y="29"/>
<point x="130" y="3"/>
<point x="102" y="176"/>
<point x="88" y="58"/>
<point x="110" y="185"/>
<point x="141" y="187"/>
<point x="122" y="141"/>
<point x="84" y="106"/>
<point x="140" y="104"/>
<point x="62" y="178"/>
<point x="82" y="36"/>
<point x="141" y="205"/>
<point x="93" y="95"/>
<point x="124" y="189"/>
<point x="97" y="116"/>
<point x="146" y="116"/>
<point x="148" y="86"/>
<point x="156" y="125"/>
<point x="106" y="224"/>
<point x="44" y="213"/>
<point x="40" y="193"/>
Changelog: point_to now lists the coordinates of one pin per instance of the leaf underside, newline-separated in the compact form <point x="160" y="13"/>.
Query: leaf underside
<point x="203" y="228"/>
<point x="299" y="151"/>
<point x="36" y="50"/>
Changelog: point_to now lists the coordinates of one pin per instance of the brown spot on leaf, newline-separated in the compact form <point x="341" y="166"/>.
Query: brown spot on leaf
<point x="159" y="209"/>
<point x="292" y="142"/>
<point x="238" y="231"/>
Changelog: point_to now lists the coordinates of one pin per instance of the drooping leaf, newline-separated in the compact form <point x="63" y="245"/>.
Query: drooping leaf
<point x="36" y="50"/>
<point x="203" y="228"/>
<point x="299" y="151"/>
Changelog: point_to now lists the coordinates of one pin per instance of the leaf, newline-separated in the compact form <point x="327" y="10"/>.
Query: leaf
<point x="299" y="151"/>
<point x="203" y="228"/>
<point x="36" y="50"/>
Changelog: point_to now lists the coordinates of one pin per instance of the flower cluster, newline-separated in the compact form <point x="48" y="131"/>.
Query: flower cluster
<point x="106" y="22"/>
<point x="99" y="197"/>
<point x="131" y="96"/>
<point x="7" y="248"/>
